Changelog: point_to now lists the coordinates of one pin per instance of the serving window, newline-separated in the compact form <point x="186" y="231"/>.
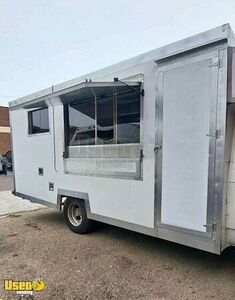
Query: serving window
<point x="110" y="117"/>
<point x="102" y="123"/>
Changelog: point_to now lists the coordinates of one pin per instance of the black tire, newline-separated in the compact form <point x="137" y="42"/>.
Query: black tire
<point x="75" y="215"/>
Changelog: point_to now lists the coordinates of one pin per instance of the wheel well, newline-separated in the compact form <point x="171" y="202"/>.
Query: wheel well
<point x="62" y="198"/>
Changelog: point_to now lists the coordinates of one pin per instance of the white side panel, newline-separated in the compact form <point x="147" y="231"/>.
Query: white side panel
<point x="122" y="199"/>
<point x="30" y="153"/>
<point x="186" y="121"/>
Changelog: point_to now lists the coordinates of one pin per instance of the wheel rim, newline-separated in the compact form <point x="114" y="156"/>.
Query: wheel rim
<point x="74" y="214"/>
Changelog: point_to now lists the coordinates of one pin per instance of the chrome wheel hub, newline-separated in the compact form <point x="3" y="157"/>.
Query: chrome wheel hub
<point x="74" y="214"/>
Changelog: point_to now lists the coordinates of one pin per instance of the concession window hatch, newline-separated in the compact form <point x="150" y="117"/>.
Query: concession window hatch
<point x="89" y="89"/>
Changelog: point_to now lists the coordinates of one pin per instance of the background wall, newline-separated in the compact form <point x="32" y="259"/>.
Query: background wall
<point x="5" y="139"/>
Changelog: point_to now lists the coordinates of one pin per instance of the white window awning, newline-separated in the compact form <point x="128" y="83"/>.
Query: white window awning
<point x="89" y="89"/>
<point x="83" y="91"/>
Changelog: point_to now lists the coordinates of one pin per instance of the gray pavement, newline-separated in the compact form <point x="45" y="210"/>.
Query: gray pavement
<point x="108" y="263"/>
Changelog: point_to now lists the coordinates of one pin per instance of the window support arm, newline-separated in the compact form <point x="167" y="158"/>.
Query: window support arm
<point x="116" y="79"/>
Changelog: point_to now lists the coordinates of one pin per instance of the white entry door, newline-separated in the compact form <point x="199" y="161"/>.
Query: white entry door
<point x="185" y="140"/>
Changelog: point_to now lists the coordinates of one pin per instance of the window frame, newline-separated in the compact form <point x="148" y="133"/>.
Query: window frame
<point x="66" y="126"/>
<point x="30" y="122"/>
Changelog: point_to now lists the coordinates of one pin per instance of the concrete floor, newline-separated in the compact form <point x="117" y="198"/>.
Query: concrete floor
<point x="109" y="263"/>
<point x="11" y="204"/>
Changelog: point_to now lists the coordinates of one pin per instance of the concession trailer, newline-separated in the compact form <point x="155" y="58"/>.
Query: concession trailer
<point x="147" y="144"/>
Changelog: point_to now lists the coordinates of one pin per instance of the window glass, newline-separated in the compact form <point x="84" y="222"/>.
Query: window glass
<point x="82" y="123"/>
<point x="38" y="121"/>
<point x="105" y="121"/>
<point x="111" y="117"/>
<point x="128" y="117"/>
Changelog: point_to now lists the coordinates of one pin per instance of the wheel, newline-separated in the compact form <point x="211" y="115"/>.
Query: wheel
<point x="75" y="215"/>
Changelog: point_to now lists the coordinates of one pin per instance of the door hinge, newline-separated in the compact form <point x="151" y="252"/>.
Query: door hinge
<point x="220" y="63"/>
<point x="211" y="227"/>
<point x="141" y="154"/>
<point x="220" y="59"/>
<point x="157" y="148"/>
<point x="215" y="134"/>
<point x="217" y="61"/>
<point x="65" y="154"/>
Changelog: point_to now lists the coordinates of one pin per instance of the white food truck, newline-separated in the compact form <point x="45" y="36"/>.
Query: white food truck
<point x="147" y="144"/>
